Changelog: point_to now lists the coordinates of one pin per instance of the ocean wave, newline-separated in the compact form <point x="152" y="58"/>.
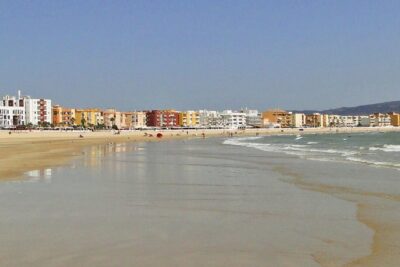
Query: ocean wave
<point x="319" y="154"/>
<point x="287" y="148"/>
<point x="386" y="148"/>
<point x="376" y="163"/>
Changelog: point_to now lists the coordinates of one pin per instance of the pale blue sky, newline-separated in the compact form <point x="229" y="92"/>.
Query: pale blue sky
<point x="202" y="54"/>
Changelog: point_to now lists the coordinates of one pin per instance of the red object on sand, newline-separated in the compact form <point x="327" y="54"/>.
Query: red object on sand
<point x="159" y="135"/>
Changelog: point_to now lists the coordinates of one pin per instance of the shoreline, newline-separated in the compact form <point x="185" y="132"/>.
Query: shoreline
<point x="22" y="151"/>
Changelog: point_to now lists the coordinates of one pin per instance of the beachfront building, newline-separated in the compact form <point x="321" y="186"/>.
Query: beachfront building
<point x="298" y="120"/>
<point x="314" y="120"/>
<point x="354" y="121"/>
<point x="89" y="117"/>
<point x="12" y="112"/>
<point x="253" y="117"/>
<point x="210" y="118"/>
<point x="346" y="121"/>
<point x="162" y="118"/>
<point x="37" y="111"/>
<point x="63" y="116"/>
<point x="394" y="119"/>
<point x="112" y="118"/>
<point x="364" y="121"/>
<point x="379" y="120"/>
<point x="276" y="118"/>
<point x="189" y="118"/>
<point x="138" y="119"/>
<point x="233" y="120"/>
<point x="126" y="120"/>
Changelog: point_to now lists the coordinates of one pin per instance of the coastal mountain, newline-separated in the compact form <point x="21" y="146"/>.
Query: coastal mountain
<point x="385" y="107"/>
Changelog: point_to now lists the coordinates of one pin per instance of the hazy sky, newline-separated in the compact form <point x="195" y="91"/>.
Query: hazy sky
<point x="201" y="54"/>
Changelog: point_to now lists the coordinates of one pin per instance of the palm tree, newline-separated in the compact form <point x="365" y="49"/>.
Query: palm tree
<point x="112" y="121"/>
<point x="83" y="122"/>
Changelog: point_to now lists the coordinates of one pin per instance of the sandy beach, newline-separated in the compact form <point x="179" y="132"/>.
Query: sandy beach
<point x="367" y="235"/>
<point x="22" y="151"/>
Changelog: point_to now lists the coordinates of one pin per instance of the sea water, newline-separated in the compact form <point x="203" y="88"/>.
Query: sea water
<point x="375" y="149"/>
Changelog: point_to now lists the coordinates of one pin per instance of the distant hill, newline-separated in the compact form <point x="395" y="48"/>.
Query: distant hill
<point x="385" y="107"/>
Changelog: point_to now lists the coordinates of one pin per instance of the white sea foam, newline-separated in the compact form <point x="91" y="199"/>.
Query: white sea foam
<point x="386" y="148"/>
<point x="287" y="148"/>
<point x="376" y="163"/>
<point x="312" y="143"/>
<point x="319" y="154"/>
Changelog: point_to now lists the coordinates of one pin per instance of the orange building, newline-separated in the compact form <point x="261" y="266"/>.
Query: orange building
<point x="63" y="116"/>
<point x="275" y="117"/>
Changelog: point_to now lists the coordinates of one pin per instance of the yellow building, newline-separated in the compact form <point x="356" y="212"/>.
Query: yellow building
<point x="394" y="119"/>
<point x="89" y="117"/>
<point x="189" y="118"/>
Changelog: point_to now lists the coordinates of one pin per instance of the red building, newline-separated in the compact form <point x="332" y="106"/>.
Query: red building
<point x="162" y="118"/>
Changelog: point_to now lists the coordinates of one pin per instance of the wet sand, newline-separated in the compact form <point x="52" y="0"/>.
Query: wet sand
<point x="189" y="203"/>
<point x="178" y="203"/>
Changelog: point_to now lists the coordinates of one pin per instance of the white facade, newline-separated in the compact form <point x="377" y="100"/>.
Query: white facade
<point x="364" y="121"/>
<point x="210" y="118"/>
<point x="233" y="120"/>
<point x="37" y="111"/>
<point x="298" y="120"/>
<point x="348" y="121"/>
<point x="12" y="112"/>
<point x="379" y="120"/>
<point x="138" y="119"/>
<point x="253" y="117"/>
<point x="24" y="110"/>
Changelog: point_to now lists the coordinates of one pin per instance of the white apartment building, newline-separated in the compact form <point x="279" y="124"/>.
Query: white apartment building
<point x="138" y="119"/>
<point x="298" y="120"/>
<point x="364" y="121"/>
<point x="347" y="121"/>
<point x="253" y="117"/>
<point x="379" y="120"/>
<point x="12" y="112"/>
<point x="210" y="118"/>
<point x="233" y="120"/>
<point x="37" y="111"/>
<point x="23" y="110"/>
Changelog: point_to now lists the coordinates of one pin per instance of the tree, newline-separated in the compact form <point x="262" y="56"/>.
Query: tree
<point x="113" y="121"/>
<point x="83" y="122"/>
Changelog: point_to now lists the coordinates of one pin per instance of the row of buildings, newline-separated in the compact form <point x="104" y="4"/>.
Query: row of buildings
<point x="24" y="110"/>
<point x="111" y="118"/>
<point x="285" y="119"/>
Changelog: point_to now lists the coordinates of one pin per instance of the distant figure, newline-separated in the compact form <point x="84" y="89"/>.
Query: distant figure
<point x="204" y="135"/>
<point x="80" y="136"/>
<point x="9" y="132"/>
<point x="159" y="135"/>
